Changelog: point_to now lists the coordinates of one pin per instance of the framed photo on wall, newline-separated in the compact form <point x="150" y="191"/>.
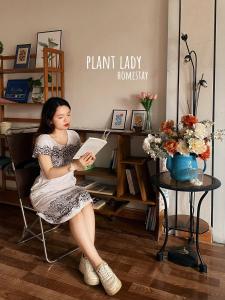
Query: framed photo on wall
<point x="22" y="56"/>
<point x="47" y="39"/>
<point x="119" y="119"/>
<point x="138" y="119"/>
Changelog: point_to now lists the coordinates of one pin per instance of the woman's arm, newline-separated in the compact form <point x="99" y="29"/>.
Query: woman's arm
<point x="76" y="165"/>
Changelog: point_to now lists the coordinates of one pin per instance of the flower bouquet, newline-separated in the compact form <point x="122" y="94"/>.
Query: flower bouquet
<point x="146" y="100"/>
<point x="182" y="144"/>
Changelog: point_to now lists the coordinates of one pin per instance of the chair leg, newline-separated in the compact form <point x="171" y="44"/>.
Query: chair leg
<point x="45" y="248"/>
<point x="40" y="236"/>
<point x="27" y="230"/>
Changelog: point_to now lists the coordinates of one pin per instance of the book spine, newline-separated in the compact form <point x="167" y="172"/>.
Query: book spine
<point x="130" y="182"/>
<point x="134" y="181"/>
<point x="114" y="164"/>
<point x="112" y="160"/>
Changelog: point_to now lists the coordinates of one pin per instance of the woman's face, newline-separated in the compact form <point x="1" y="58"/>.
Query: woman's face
<point x="61" y="118"/>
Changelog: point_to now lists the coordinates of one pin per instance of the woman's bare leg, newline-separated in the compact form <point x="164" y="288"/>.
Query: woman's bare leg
<point x="81" y="235"/>
<point x="89" y="218"/>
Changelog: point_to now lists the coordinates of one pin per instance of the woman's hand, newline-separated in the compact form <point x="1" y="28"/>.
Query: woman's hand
<point x="84" y="161"/>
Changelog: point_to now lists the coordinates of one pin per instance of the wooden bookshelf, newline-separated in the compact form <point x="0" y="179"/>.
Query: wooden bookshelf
<point x="146" y="196"/>
<point x="55" y="88"/>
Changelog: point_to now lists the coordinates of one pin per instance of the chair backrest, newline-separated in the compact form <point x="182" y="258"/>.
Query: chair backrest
<point x="25" y="166"/>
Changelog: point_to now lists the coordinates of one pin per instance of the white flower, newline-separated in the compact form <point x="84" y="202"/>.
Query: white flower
<point x="200" y="131"/>
<point x="188" y="132"/>
<point x="146" y="145"/>
<point x="158" y="140"/>
<point x="197" y="146"/>
<point x="182" y="147"/>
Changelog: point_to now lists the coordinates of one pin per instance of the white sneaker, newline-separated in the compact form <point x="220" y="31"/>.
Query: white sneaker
<point x="109" y="280"/>
<point x="90" y="276"/>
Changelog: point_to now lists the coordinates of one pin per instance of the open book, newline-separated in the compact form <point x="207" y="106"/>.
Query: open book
<point x="92" y="144"/>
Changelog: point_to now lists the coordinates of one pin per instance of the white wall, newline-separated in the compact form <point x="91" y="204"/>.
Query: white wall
<point x="197" y="20"/>
<point x="96" y="27"/>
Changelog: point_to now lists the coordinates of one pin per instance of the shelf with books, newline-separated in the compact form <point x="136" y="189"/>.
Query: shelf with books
<point x="134" y="179"/>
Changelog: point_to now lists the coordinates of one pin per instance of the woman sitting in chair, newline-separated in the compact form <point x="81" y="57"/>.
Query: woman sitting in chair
<point x="57" y="198"/>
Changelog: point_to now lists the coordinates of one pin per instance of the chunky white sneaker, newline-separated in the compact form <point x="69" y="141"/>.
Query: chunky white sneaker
<point x="90" y="276"/>
<point x="109" y="280"/>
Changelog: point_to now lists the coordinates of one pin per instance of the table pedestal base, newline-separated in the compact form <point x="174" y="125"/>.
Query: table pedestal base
<point x="184" y="256"/>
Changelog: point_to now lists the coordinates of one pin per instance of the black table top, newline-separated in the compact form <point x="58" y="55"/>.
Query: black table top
<point x="164" y="180"/>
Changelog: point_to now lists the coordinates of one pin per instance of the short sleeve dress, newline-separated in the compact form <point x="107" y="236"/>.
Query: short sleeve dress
<point x="59" y="199"/>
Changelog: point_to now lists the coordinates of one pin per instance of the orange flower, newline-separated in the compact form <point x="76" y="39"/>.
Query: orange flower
<point x="170" y="146"/>
<point x="167" y="126"/>
<point x="189" y="120"/>
<point x="205" y="155"/>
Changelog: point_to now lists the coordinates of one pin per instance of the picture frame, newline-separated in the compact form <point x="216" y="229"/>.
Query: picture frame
<point x="47" y="39"/>
<point x="138" y="119"/>
<point x="119" y="119"/>
<point x="22" y="56"/>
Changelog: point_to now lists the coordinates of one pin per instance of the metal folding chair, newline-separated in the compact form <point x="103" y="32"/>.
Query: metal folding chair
<point x="26" y="170"/>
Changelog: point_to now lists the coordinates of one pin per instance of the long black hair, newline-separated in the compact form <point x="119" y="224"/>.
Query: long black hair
<point x="47" y="114"/>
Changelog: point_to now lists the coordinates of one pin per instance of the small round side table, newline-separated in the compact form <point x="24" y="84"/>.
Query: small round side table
<point x="163" y="180"/>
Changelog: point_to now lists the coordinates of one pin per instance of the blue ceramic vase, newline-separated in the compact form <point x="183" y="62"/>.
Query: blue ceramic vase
<point x="183" y="167"/>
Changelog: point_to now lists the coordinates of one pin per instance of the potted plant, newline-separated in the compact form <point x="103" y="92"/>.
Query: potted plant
<point x="37" y="88"/>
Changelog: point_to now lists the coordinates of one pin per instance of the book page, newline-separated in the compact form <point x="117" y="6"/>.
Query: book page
<point x="92" y="144"/>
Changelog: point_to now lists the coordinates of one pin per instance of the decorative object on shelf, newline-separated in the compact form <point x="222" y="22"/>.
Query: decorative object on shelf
<point x="196" y="86"/>
<point x="47" y="39"/>
<point x="22" y="56"/>
<point x="119" y="119"/>
<point x="1" y="47"/>
<point x="181" y="145"/>
<point x="146" y="100"/>
<point x="138" y="120"/>
<point x="5" y="127"/>
<point x="37" y="88"/>
<point x="18" y="90"/>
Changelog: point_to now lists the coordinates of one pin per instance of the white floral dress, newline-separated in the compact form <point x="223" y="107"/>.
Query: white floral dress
<point x="59" y="199"/>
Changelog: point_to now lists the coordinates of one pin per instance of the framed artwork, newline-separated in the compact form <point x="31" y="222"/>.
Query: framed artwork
<point x="138" y="119"/>
<point x="118" y="119"/>
<point x="22" y="56"/>
<point x="47" y="39"/>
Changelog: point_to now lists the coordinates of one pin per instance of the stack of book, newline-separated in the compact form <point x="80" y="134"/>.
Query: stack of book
<point x="98" y="203"/>
<point x="102" y="188"/>
<point x="97" y="187"/>
<point x="150" y="221"/>
<point x="86" y="183"/>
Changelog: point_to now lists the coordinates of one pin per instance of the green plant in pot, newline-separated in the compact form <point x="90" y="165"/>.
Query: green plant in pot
<point x="37" y="88"/>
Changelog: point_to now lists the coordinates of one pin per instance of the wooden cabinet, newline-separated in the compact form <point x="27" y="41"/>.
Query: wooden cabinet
<point x="147" y="195"/>
<point x="53" y="65"/>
